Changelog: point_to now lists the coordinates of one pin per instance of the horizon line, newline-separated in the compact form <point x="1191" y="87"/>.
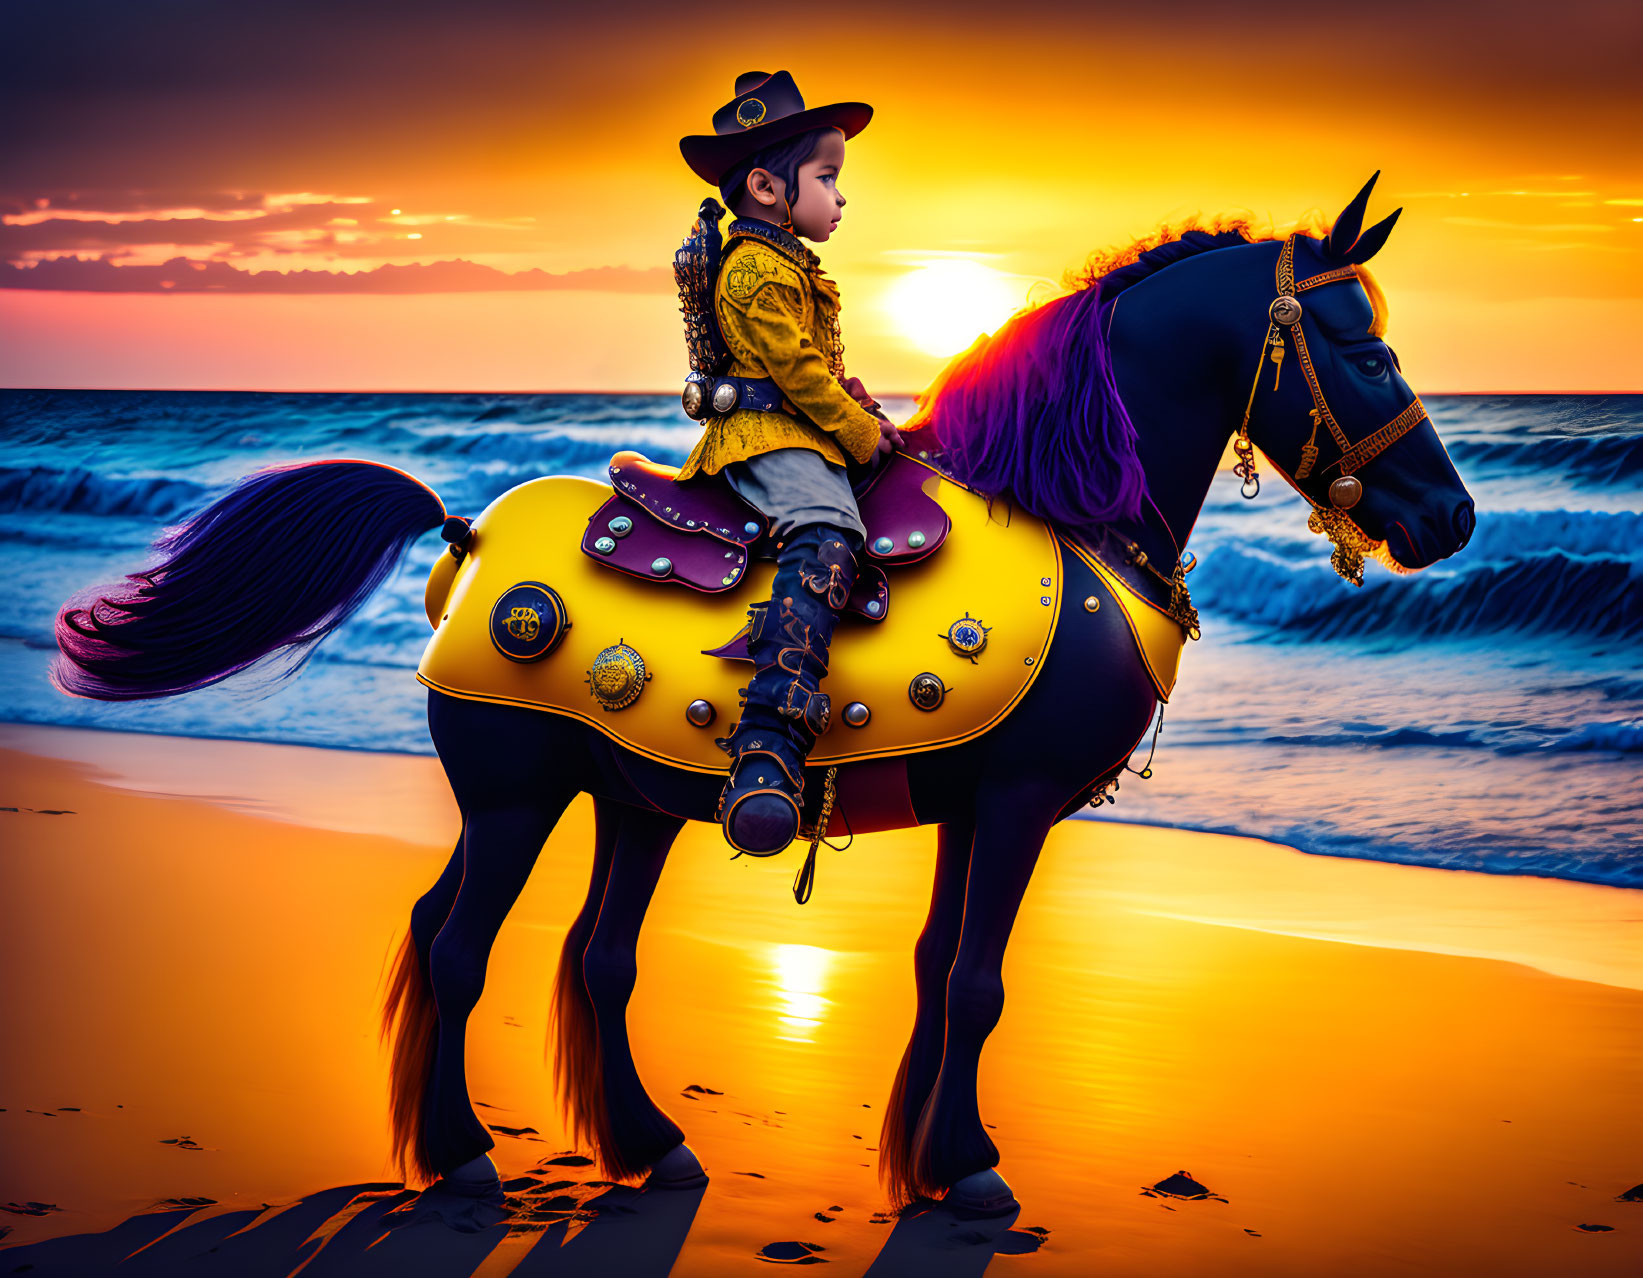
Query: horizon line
<point x="263" y="390"/>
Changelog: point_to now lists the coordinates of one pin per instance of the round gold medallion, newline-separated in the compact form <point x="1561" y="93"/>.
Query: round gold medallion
<point x="617" y="676"/>
<point x="749" y="113"/>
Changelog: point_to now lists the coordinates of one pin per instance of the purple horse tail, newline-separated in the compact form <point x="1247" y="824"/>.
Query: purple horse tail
<point x="274" y="566"/>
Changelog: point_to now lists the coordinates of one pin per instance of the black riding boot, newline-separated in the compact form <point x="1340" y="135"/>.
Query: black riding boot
<point x="782" y="709"/>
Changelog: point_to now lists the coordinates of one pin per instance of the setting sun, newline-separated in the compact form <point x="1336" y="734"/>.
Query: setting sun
<point x="947" y="303"/>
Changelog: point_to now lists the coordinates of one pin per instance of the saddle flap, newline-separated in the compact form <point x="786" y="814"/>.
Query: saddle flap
<point x="621" y="535"/>
<point x="869" y="598"/>
<point x="704" y="504"/>
<point x="904" y="524"/>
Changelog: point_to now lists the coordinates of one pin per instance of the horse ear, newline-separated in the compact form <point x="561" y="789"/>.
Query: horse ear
<point x="1348" y="223"/>
<point x="1369" y="243"/>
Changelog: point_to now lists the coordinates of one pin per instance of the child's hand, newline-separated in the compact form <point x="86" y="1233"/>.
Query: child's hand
<point x="858" y="392"/>
<point x="889" y="436"/>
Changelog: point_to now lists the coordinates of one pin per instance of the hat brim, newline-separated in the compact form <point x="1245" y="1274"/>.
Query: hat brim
<point x="712" y="155"/>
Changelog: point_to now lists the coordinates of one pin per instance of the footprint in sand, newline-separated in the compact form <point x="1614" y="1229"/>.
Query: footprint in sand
<point x="1181" y="1186"/>
<point x="791" y="1253"/>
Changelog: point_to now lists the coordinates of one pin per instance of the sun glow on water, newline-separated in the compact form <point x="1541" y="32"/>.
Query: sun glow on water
<point x="946" y="303"/>
<point x="800" y="977"/>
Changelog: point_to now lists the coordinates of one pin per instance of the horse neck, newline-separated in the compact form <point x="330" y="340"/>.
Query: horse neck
<point x="1182" y="356"/>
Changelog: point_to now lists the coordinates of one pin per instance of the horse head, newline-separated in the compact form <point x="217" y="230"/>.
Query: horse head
<point x="1344" y="427"/>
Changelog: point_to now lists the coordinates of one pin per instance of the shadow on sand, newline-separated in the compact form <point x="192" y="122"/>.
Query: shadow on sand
<point x="387" y="1231"/>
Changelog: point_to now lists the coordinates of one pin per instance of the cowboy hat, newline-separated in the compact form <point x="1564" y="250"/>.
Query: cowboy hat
<point x="766" y="109"/>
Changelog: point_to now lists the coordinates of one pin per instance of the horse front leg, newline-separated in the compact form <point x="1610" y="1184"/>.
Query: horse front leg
<point x="951" y="1148"/>
<point x="932" y="961"/>
<point x="632" y="1134"/>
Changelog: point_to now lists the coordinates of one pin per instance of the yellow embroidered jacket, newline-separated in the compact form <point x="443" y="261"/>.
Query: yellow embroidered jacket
<point x="779" y="316"/>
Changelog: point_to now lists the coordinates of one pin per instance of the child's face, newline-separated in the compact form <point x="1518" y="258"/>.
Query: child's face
<point x="816" y="202"/>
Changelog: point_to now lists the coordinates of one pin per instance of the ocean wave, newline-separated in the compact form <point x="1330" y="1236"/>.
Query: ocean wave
<point x="1584" y="459"/>
<point x="1546" y="591"/>
<point x="80" y="491"/>
<point x="1625" y="736"/>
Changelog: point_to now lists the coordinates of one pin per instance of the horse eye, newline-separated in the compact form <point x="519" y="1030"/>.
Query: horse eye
<point x="1372" y="365"/>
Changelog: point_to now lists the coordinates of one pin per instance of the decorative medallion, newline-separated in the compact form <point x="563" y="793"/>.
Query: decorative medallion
<point x="725" y="395"/>
<point x="617" y="677"/>
<point x="1346" y="492"/>
<point x="621" y="526"/>
<point x="749" y="113"/>
<point x="967" y="637"/>
<point x="927" y="691"/>
<point x="693" y="399"/>
<point x="528" y="621"/>
<point x="1285" y="311"/>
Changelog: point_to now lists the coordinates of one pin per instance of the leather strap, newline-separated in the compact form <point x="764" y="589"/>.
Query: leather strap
<point x="756" y="394"/>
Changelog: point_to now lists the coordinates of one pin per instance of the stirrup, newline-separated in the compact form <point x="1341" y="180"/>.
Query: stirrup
<point x="763" y="820"/>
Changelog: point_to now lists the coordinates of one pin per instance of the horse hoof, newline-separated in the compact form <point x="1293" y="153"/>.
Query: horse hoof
<point x="762" y="824"/>
<point x="981" y="1194"/>
<point x="676" y="1169"/>
<point x="476" y="1178"/>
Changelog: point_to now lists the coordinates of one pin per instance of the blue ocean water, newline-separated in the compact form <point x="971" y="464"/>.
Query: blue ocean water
<point x="1486" y="714"/>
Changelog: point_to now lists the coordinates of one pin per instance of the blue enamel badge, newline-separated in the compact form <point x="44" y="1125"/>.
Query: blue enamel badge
<point x="528" y="621"/>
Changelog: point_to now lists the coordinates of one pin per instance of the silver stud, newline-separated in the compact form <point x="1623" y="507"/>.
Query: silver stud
<point x="915" y="539"/>
<point x="727" y="581"/>
<point x="1029" y="661"/>
<point x="605" y="545"/>
<point x="856" y="714"/>
<point x="1045" y="600"/>
<point x="661" y="567"/>
<point x="700" y="713"/>
<point x="1091" y="604"/>
<point x="1043" y="581"/>
<point x="883" y="546"/>
<point x="690" y="523"/>
<point x="621" y="525"/>
<point x="751" y="529"/>
<point x="874" y="607"/>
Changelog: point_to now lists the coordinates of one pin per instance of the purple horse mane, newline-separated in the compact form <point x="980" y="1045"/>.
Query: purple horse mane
<point x="1033" y="412"/>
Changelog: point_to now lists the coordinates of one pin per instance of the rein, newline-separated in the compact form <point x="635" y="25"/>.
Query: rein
<point x="1346" y="490"/>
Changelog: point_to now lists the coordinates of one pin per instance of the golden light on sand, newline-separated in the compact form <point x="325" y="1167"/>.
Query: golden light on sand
<point x="946" y="303"/>
<point x="800" y="978"/>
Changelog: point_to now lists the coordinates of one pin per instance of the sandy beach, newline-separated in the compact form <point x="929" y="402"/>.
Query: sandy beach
<point x="1372" y="1069"/>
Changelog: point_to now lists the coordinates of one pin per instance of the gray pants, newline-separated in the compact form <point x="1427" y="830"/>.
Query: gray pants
<point x="796" y="487"/>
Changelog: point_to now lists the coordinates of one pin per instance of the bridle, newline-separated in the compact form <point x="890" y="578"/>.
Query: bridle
<point x="1285" y="313"/>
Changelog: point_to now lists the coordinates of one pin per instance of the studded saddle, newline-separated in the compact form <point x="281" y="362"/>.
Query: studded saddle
<point x="702" y="535"/>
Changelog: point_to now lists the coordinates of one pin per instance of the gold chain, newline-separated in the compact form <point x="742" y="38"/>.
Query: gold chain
<point x="806" y="878"/>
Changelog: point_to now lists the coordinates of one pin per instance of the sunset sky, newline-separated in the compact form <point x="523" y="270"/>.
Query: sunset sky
<point x="159" y="155"/>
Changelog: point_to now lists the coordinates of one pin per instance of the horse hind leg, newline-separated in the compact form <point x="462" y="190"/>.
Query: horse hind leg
<point x="631" y="1133"/>
<point x="500" y="846"/>
<point x="410" y="1015"/>
<point x="932" y="961"/>
<point x="573" y="1033"/>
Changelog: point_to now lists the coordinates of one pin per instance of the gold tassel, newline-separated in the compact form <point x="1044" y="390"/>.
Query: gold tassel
<point x="1309" y="450"/>
<point x="1277" y="359"/>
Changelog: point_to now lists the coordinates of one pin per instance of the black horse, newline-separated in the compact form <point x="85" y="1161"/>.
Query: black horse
<point x="1186" y="344"/>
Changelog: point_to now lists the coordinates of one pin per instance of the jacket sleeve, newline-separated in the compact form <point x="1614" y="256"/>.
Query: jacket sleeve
<point x="763" y="303"/>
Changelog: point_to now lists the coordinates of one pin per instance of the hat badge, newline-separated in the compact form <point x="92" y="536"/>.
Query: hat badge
<point x="749" y="113"/>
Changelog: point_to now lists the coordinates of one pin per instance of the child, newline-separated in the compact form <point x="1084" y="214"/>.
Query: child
<point x="784" y="420"/>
